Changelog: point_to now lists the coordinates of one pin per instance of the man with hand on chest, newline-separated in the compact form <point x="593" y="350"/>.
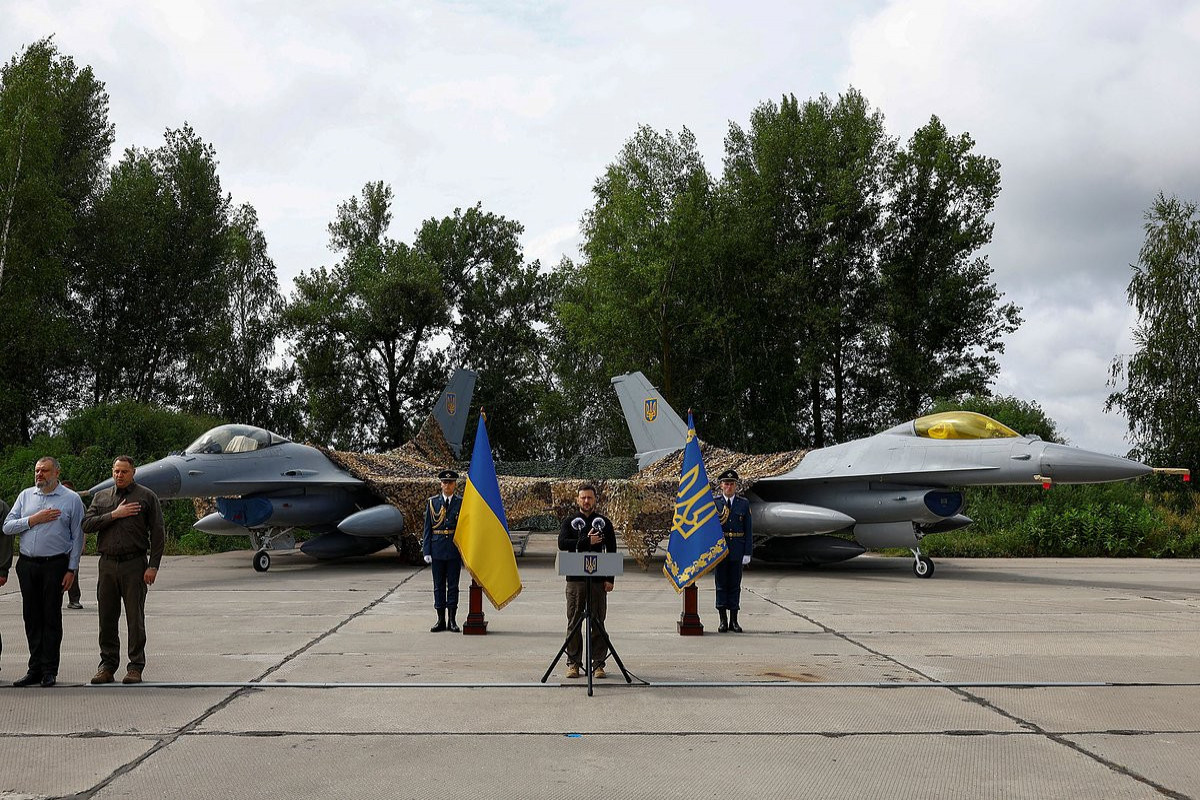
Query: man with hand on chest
<point x="47" y="516"/>
<point x="128" y="522"/>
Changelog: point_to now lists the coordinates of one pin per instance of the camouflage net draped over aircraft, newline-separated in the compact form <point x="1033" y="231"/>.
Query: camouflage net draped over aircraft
<point x="641" y="506"/>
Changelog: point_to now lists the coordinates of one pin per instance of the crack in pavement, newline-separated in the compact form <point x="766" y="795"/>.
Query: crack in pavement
<point x="162" y="742"/>
<point x="970" y="697"/>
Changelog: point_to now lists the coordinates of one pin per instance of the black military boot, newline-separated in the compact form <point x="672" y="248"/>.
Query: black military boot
<point x="441" y="623"/>
<point x="724" y="626"/>
<point x="733" y="623"/>
<point x="450" y="623"/>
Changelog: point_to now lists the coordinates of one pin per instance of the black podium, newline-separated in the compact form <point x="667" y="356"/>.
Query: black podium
<point x="588" y="566"/>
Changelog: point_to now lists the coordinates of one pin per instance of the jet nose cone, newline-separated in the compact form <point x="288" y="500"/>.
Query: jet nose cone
<point x="1071" y="465"/>
<point x="160" y="477"/>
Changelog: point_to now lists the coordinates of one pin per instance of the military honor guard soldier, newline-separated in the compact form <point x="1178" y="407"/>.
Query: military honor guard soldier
<point x="734" y="512"/>
<point x="441" y="518"/>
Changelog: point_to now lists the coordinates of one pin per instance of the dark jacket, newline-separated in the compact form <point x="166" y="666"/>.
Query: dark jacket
<point x="438" y="540"/>
<point x="737" y="524"/>
<point x="6" y="544"/>
<point x="573" y="536"/>
<point x="141" y="533"/>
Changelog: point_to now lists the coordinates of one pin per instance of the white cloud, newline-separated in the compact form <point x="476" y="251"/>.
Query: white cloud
<point x="1088" y="107"/>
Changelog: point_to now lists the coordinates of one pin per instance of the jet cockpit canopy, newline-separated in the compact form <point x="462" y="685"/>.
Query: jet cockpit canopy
<point x="962" y="425"/>
<point x="234" y="439"/>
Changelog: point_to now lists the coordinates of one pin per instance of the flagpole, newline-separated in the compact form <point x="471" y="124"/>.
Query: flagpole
<point x="689" y="623"/>
<point x="476" y="624"/>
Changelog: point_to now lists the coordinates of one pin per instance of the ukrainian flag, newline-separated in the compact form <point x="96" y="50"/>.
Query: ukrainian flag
<point x="482" y="532"/>
<point x="697" y="542"/>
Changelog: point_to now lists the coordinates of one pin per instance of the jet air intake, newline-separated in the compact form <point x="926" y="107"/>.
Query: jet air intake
<point x="881" y="502"/>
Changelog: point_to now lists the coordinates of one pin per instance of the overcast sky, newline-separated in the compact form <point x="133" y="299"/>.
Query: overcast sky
<point x="1089" y="106"/>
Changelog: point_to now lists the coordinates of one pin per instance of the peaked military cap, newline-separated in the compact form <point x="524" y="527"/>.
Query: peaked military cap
<point x="729" y="475"/>
<point x="448" y="475"/>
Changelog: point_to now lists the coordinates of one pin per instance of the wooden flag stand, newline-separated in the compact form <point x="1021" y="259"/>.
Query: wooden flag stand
<point x="689" y="621"/>
<point x="476" y="624"/>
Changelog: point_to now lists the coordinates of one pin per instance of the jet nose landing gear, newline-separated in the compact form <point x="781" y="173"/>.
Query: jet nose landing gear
<point x="273" y="538"/>
<point x="922" y="565"/>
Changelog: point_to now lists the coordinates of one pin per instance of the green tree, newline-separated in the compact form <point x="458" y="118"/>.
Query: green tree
<point x="54" y="140"/>
<point x="359" y="329"/>
<point x="1160" y="379"/>
<point x="242" y="382"/>
<point x="155" y="283"/>
<point x="805" y="188"/>
<point x="376" y="336"/>
<point x="942" y="315"/>
<point x="500" y="309"/>
<point x="644" y="297"/>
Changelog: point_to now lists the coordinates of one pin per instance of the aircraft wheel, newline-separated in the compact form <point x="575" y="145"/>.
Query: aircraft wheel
<point x="262" y="561"/>
<point x="923" y="567"/>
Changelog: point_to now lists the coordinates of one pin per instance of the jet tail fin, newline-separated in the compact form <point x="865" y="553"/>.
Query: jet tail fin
<point x="656" y="429"/>
<point x="452" y="407"/>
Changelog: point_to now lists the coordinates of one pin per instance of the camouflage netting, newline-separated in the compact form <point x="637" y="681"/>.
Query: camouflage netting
<point x="641" y="506"/>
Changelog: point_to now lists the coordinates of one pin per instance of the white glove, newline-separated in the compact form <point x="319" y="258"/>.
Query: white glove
<point x="745" y="560"/>
<point x="428" y="559"/>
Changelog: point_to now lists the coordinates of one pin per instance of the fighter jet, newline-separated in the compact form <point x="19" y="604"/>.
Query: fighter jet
<point x="267" y="486"/>
<point x="887" y="490"/>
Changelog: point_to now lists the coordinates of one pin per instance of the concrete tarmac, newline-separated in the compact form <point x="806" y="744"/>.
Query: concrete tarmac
<point x="994" y="679"/>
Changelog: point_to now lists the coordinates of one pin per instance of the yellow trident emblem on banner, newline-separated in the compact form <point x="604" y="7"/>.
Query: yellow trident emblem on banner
<point x="691" y="510"/>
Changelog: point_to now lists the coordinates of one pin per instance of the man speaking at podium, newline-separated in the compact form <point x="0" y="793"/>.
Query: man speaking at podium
<point x="587" y="530"/>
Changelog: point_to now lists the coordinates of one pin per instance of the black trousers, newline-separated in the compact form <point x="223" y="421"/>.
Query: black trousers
<point x="41" y="605"/>
<point x="446" y="572"/>
<point x="728" y="580"/>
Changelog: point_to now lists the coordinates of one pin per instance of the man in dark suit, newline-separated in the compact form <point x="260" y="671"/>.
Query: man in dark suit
<point x="441" y="518"/>
<point x="6" y="550"/>
<point x="587" y="531"/>
<point x="734" y="513"/>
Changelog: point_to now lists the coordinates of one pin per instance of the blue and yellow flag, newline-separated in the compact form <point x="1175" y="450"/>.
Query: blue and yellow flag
<point x="697" y="542"/>
<point x="482" y="532"/>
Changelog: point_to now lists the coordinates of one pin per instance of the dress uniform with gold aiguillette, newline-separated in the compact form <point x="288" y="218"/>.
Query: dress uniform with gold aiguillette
<point x="737" y="525"/>
<point x="441" y="518"/>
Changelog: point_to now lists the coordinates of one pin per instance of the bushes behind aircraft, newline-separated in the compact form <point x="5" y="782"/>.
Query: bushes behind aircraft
<point x="90" y="439"/>
<point x="1157" y="517"/>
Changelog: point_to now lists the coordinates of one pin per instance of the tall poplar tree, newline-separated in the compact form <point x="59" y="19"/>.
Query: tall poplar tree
<point x="941" y="313"/>
<point x="54" y="140"/>
<point x="1160" y="379"/>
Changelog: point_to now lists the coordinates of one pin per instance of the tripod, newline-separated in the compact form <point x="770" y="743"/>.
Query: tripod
<point x="589" y="617"/>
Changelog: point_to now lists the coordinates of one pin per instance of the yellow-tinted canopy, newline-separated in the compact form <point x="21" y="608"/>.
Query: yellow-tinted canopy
<point x="962" y="425"/>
